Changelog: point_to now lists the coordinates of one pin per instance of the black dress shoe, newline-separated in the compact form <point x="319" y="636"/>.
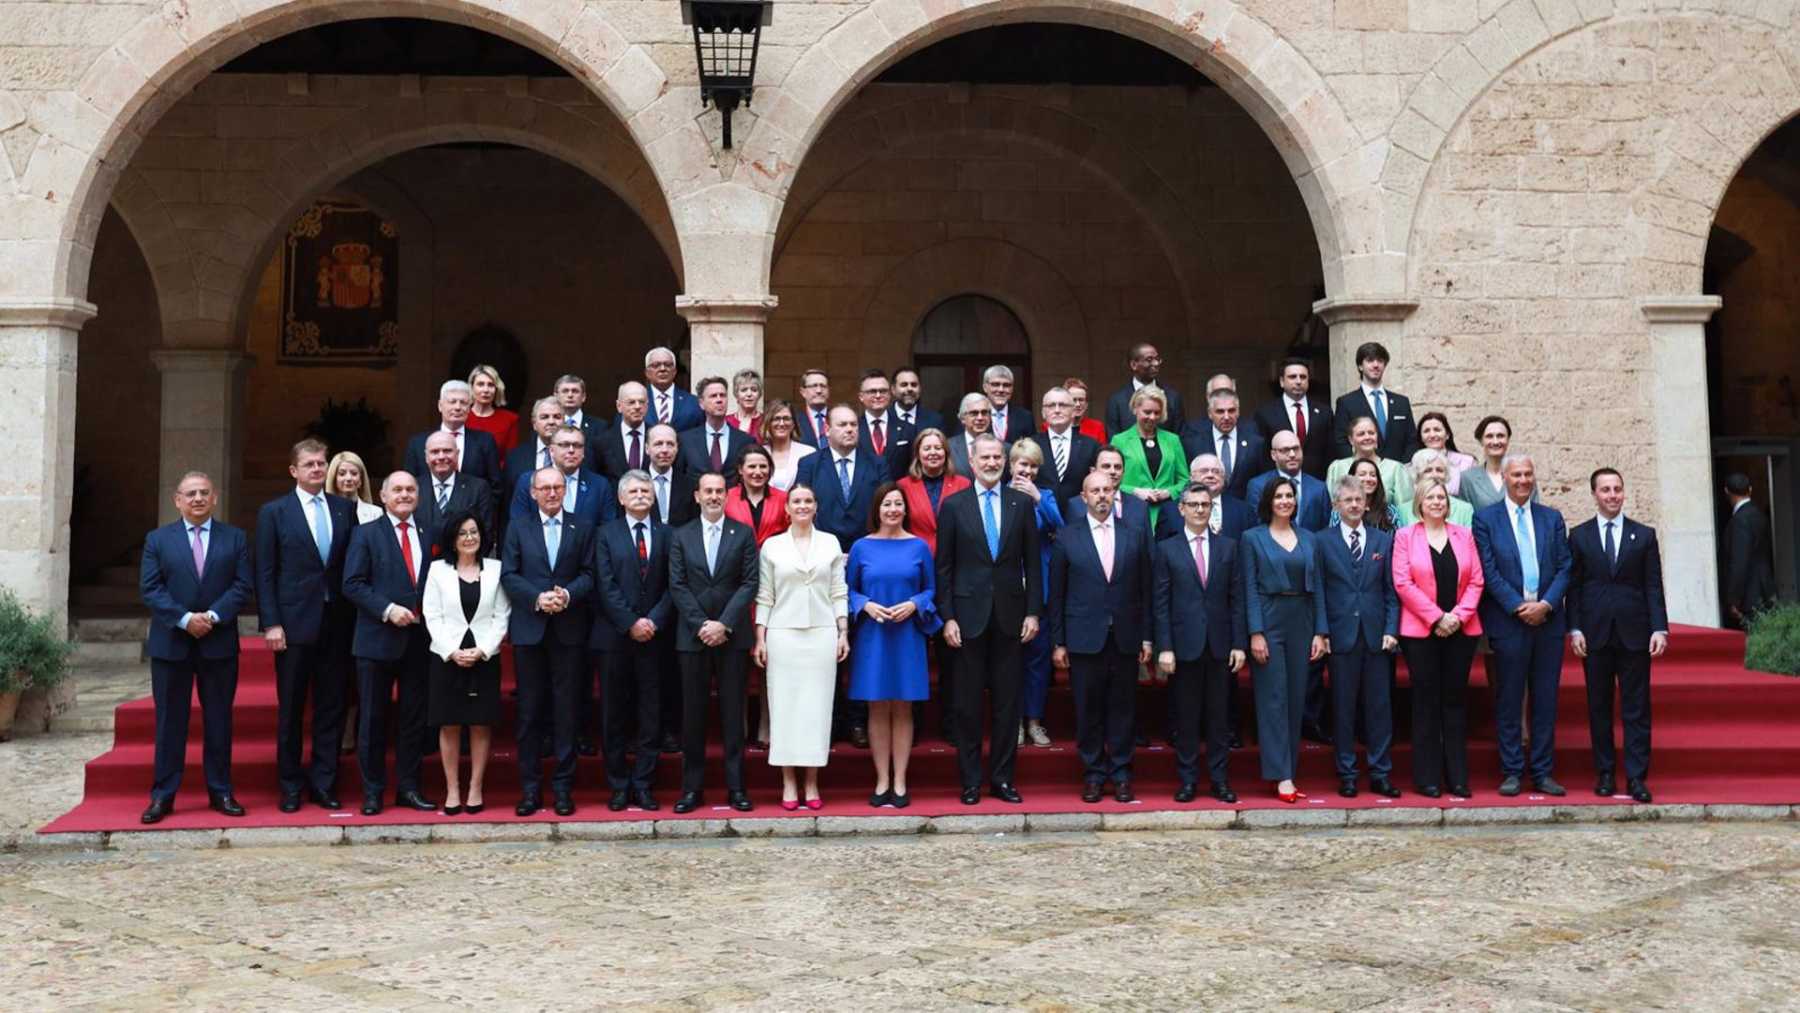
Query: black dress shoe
<point x="1383" y="787"/>
<point x="585" y="746"/>
<point x="620" y="799"/>
<point x="156" y="810"/>
<point x="671" y="744"/>
<point x="1186" y="792"/>
<point x="1429" y="790"/>
<point x="1637" y="789"/>
<point x="1604" y="785"/>
<point x="1122" y="792"/>
<point x="371" y="805"/>
<point x="1005" y="793"/>
<point x="902" y="801"/>
<point x="227" y="805"/>
<point x="1236" y="741"/>
<point x="414" y="800"/>
<point x="1509" y="786"/>
<point x="688" y="802"/>
<point x="1223" y="793"/>
<point x="289" y="803"/>
<point x="325" y="800"/>
<point x="859" y="737"/>
<point x="1313" y="733"/>
<point x="563" y="804"/>
<point x="528" y="805"/>
<point x="646" y="801"/>
<point x="879" y="799"/>
<point x="971" y="796"/>
<point x="739" y="800"/>
<point x="1461" y="791"/>
<point x="1347" y="789"/>
<point x="1141" y="740"/>
<point x="1090" y="792"/>
<point x="1548" y="786"/>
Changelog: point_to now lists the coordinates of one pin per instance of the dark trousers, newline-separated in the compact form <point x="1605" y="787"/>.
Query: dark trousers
<point x="1105" y="687"/>
<point x="1321" y="701"/>
<point x="1439" y="667"/>
<point x="699" y="671"/>
<point x="988" y="661"/>
<point x="376" y="684"/>
<point x="1198" y="692"/>
<point x="550" y="677"/>
<point x="1531" y="663"/>
<point x="631" y="709"/>
<point x="172" y="685"/>
<point x="318" y="668"/>
<point x="1280" y="685"/>
<point x="1360" y="687"/>
<point x="1630" y="672"/>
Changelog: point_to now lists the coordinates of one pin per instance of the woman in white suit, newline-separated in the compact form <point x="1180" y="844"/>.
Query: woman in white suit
<point x="802" y="619"/>
<point x="465" y="614"/>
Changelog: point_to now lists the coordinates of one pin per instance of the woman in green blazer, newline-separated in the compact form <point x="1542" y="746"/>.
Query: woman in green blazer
<point x="1156" y="468"/>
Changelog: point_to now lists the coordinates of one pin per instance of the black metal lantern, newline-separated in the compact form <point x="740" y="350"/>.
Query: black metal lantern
<point x="726" y="34"/>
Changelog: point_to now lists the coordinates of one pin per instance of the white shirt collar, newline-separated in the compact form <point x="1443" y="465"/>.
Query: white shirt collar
<point x="1191" y="537"/>
<point x="1602" y="522"/>
<point x="575" y="419"/>
<point x="838" y="455"/>
<point x="410" y="522"/>
<point x="986" y="488"/>
<point x="1367" y="390"/>
<point x="544" y="518"/>
<point x="661" y="474"/>
<point x="723" y="430"/>
<point x="1137" y="384"/>
<point x="1096" y="524"/>
<point x="625" y="428"/>
<point x="205" y="525"/>
<point x="306" y="498"/>
<point x="1740" y="505"/>
<point x="444" y="427"/>
<point x="1347" y="529"/>
<point x="434" y="481"/>
<point x="871" y="420"/>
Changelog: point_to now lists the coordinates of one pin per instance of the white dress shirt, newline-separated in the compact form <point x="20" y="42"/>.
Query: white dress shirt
<point x="1345" y="529"/>
<point x="836" y="457"/>
<point x="631" y="524"/>
<point x="420" y="560"/>
<point x="458" y="433"/>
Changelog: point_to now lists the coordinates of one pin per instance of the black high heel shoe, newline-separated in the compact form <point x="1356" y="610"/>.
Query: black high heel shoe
<point x="474" y="809"/>
<point x="881" y="798"/>
<point x="453" y="810"/>
<point x="901" y="801"/>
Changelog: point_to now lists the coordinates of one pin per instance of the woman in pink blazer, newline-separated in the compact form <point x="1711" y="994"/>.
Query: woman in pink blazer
<point x="1437" y="575"/>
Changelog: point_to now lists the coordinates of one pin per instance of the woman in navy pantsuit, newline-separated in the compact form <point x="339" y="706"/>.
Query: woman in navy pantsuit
<point x="1284" y="598"/>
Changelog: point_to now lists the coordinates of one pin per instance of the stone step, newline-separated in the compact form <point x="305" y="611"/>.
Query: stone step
<point x="94" y="653"/>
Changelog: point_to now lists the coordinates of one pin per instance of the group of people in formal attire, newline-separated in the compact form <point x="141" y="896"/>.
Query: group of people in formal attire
<point x="701" y="544"/>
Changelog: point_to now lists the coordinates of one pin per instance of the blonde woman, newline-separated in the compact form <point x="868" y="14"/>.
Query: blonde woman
<point x="348" y="476"/>
<point x="489" y="413"/>
<point x="746" y="390"/>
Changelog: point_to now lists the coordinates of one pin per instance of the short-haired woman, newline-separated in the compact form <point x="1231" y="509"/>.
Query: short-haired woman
<point x="465" y="614"/>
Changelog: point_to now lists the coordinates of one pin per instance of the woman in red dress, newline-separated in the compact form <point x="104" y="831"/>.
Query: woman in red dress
<point x="931" y="480"/>
<point x="763" y="508"/>
<point x="489" y="413"/>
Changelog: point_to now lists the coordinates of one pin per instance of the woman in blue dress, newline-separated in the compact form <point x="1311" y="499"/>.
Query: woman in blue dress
<point x="892" y="582"/>
<point x="1284" y="598"/>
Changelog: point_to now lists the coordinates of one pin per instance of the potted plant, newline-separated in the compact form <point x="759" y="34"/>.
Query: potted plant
<point x="34" y="654"/>
<point x="1772" y="643"/>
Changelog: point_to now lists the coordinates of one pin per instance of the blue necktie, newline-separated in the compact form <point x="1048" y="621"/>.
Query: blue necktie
<point x="321" y="534"/>
<point x="712" y="548"/>
<point x="990" y="519"/>
<point x="552" y="538"/>
<point x="844" y="476"/>
<point x="1380" y="404"/>
<point x="1528" y="564"/>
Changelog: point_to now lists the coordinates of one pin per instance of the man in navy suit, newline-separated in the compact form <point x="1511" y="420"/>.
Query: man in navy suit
<point x="1749" y="579"/>
<point x="445" y="492"/>
<point x="301" y="540"/>
<point x="384" y="577"/>
<point x="1011" y="422"/>
<point x="587" y="496"/>
<point x="715" y="444"/>
<point x="546" y="568"/>
<point x="811" y="416"/>
<point x="1285" y="450"/>
<point x="633" y="625"/>
<point x="1068" y="455"/>
<point x="669" y="404"/>
<point x="1617" y="623"/>
<point x="476" y="452"/>
<point x="1295" y="412"/>
<point x="546" y="418"/>
<point x="989" y="594"/>
<point x="1363" y="612"/>
<point x="908" y="391"/>
<point x="623" y="444"/>
<point x="1199" y="629"/>
<point x="1525" y="562"/>
<point x="1146" y="368"/>
<point x="571" y="392"/>
<point x="876" y="428"/>
<point x="1127" y="510"/>
<point x="1239" y="451"/>
<point x="1228" y="516"/>
<point x="1099" y="597"/>
<point x="194" y="579"/>
<point x="1392" y="412"/>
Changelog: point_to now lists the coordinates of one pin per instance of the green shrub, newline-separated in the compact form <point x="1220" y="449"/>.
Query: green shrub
<point x="34" y="651"/>
<point x="1773" y="644"/>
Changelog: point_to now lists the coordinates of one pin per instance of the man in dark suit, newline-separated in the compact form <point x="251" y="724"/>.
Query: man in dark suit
<point x="546" y="417"/>
<point x="1146" y="366"/>
<point x="1227" y="515"/>
<point x="989" y="594"/>
<point x="1199" y="628"/>
<point x="587" y="496"/>
<point x="445" y="492"/>
<point x="1011" y="422"/>
<point x="1240" y="453"/>
<point x="1299" y="414"/>
<point x="633" y="627"/>
<point x="1392" y="412"/>
<point x="1524" y="551"/>
<point x="571" y="392"/>
<point x="546" y="569"/>
<point x="974" y="416"/>
<point x="301" y="540"/>
<point x="669" y="404"/>
<point x="876" y="428"/>
<point x="1127" y="510"/>
<point x="1099" y="597"/>
<point x="384" y="577"/>
<point x="476" y="452"/>
<point x="1363" y="612"/>
<point x="1068" y="455"/>
<point x="1749" y="576"/>
<point x="908" y="392"/>
<point x="1617" y="623"/>
<point x="195" y="578"/>
<point x="673" y="487"/>
<point x="811" y="425"/>
<point x="715" y="444"/>
<point x="623" y="443"/>
<point x="1285" y="450"/>
<point x="712" y="579"/>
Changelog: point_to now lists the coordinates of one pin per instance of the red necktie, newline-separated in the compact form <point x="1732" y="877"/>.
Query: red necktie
<point x="1300" y="421"/>
<point x="412" y="569"/>
<point x="643" y="552"/>
<point x="635" y="458"/>
<point x="880" y="440"/>
<point x="717" y="461"/>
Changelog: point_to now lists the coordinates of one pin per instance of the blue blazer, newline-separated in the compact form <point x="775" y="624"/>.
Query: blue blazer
<point x="847" y="519"/>
<point x="621" y="597"/>
<point x="1620" y="603"/>
<point x="595" y="503"/>
<point x="1235" y="518"/>
<point x="1249" y="454"/>
<point x="1505" y="578"/>
<point x="481" y="456"/>
<point x="1263" y="573"/>
<point x="1191" y="620"/>
<point x="374" y="578"/>
<point x="292" y="583"/>
<point x="1315" y="500"/>
<point x="526" y="571"/>
<point x="1360" y="602"/>
<point x="684" y="409"/>
<point x="171" y="589"/>
<point x="1084" y="605"/>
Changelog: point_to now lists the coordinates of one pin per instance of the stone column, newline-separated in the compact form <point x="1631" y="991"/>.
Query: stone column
<point x="1683" y="450"/>
<point x="726" y="332"/>
<point x="201" y="391"/>
<point x="37" y="472"/>
<point x="1354" y="320"/>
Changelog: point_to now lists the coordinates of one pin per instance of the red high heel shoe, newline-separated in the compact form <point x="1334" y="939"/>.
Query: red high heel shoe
<point x="1290" y="797"/>
<point x="790" y="804"/>
<point x="815" y="803"/>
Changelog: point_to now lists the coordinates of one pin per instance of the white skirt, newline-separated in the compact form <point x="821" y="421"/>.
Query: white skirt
<point x="801" y="677"/>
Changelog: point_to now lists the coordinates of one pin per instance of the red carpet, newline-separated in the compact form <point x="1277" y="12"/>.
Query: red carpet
<point x="1720" y="735"/>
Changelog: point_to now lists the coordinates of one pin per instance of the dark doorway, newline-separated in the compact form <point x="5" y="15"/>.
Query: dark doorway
<point x="962" y="336"/>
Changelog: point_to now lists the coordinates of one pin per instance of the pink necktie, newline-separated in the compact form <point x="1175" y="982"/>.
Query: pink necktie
<point x="1200" y="558"/>
<point x="1106" y="550"/>
<point x="199" y="553"/>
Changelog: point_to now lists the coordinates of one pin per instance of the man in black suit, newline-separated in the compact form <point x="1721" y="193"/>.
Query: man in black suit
<point x="1127" y="510"/>
<point x="531" y="454"/>
<point x="1099" y="599"/>
<point x="876" y="428"/>
<point x="1010" y="421"/>
<point x="633" y="628"/>
<point x="301" y="540"/>
<point x="587" y="495"/>
<point x="908" y="392"/>
<point x="1068" y="455"/>
<point x="621" y="445"/>
<point x="1749" y="575"/>
<point x="989" y="594"/>
<point x="1392" y="412"/>
<point x="1199" y="629"/>
<point x="669" y="405"/>
<point x="712" y="579"/>
<point x="195" y="578"/>
<point x="673" y="492"/>
<point x="974" y="417"/>
<point x="1227" y="515"/>
<point x="384" y="577"/>
<point x="571" y="392"/>
<point x="1146" y="366"/>
<point x="715" y="444"/>
<point x="546" y="569"/>
<point x="476" y="452"/>
<point x="446" y="492"/>
<point x="810" y="422"/>
<point x="1241" y="454"/>
<point x="1300" y="415"/>
<point x="1617" y="623"/>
